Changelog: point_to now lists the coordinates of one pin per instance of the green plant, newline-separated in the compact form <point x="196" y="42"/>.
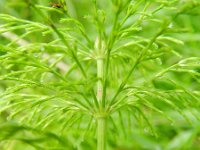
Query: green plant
<point x="83" y="79"/>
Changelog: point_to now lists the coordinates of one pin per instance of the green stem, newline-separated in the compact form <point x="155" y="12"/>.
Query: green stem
<point x="101" y="133"/>
<point x="101" y="119"/>
<point x="99" y="83"/>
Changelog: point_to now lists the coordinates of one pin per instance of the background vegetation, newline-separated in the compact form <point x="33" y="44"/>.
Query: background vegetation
<point x="86" y="74"/>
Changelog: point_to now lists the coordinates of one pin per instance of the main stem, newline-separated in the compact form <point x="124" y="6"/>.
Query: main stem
<point x="101" y="133"/>
<point x="99" y="83"/>
<point x="101" y="119"/>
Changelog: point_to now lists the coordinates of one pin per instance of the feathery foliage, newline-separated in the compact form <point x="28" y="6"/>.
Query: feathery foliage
<point x="99" y="74"/>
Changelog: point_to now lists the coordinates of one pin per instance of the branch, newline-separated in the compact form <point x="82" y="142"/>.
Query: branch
<point x="21" y="42"/>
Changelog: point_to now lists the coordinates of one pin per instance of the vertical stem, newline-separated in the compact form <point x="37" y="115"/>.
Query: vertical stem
<point x="101" y="133"/>
<point x="99" y="83"/>
<point x="101" y="119"/>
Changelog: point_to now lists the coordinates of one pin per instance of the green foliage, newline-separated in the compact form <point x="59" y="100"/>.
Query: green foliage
<point x="120" y="74"/>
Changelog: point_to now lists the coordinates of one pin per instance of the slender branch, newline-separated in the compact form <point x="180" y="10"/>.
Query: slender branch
<point x="21" y="42"/>
<point x="60" y="35"/>
<point x="138" y="60"/>
<point x="109" y="48"/>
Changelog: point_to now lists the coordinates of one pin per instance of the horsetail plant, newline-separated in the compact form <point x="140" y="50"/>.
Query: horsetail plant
<point x="69" y="77"/>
